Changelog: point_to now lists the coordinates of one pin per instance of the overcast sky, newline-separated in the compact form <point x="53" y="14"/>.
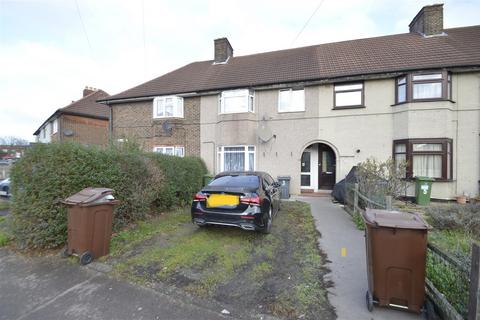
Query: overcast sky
<point x="50" y="50"/>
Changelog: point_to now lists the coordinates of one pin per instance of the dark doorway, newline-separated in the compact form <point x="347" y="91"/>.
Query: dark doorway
<point x="326" y="167"/>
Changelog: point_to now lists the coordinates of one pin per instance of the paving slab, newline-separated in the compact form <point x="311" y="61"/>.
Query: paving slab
<point x="348" y="272"/>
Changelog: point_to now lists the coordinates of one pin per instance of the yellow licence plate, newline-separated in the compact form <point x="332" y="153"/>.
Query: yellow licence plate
<point x="219" y="200"/>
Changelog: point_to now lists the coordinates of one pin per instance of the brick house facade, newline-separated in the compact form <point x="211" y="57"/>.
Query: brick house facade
<point x="135" y="120"/>
<point x="84" y="121"/>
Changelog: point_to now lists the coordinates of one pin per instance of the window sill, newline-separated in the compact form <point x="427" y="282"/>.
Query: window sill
<point x="166" y="118"/>
<point x="349" y="107"/>
<point x="423" y="100"/>
<point x="295" y="111"/>
<point x="242" y="112"/>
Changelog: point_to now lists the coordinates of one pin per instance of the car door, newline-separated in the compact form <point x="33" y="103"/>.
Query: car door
<point x="274" y="192"/>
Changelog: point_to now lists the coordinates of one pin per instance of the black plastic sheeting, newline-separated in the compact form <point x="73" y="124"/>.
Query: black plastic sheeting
<point x="339" y="190"/>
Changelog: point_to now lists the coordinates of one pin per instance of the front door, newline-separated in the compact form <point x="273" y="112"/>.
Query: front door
<point x="326" y="167"/>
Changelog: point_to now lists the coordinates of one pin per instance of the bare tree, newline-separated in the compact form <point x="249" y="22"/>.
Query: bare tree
<point x="13" y="141"/>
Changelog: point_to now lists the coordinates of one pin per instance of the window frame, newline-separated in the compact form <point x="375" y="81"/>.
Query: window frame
<point x="174" y="149"/>
<point x="445" y="80"/>
<point x="446" y="153"/>
<point x="290" y="90"/>
<point x="249" y="99"/>
<point x="353" y="106"/>
<point x="220" y="167"/>
<point x="178" y="107"/>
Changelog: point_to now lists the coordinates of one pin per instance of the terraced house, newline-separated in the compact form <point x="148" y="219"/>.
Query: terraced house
<point x="314" y="112"/>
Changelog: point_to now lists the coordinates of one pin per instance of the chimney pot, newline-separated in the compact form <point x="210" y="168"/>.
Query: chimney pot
<point x="223" y="50"/>
<point x="88" y="90"/>
<point x="428" y="21"/>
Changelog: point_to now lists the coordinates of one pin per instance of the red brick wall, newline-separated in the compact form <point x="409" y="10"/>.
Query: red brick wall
<point x="136" y="120"/>
<point x="85" y="130"/>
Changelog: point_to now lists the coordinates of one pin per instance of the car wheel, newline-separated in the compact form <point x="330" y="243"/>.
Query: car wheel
<point x="268" y="223"/>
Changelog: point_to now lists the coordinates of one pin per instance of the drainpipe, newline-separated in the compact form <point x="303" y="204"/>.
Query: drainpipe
<point x="110" y="122"/>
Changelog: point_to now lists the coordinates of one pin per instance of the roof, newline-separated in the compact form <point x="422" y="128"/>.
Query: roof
<point x="458" y="47"/>
<point x="86" y="107"/>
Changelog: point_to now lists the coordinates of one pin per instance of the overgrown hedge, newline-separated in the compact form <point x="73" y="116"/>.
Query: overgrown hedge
<point x="145" y="183"/>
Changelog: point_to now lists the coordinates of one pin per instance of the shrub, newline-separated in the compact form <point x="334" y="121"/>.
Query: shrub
<point x="456" y="217"/>
<point x="378" y="179"/>
<point x="48" y="173"/>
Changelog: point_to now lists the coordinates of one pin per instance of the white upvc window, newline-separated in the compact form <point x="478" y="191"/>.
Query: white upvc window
<point x="178" y="151"/>
<point x="55" y="126"/>
<point x="291" y="100"/>
<point x="168" y="107"/>
<point x="236" y="101"/>
<point x="236" y="158"/>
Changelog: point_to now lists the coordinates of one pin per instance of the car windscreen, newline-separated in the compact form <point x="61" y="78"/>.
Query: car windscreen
<point x="236" y="181"/>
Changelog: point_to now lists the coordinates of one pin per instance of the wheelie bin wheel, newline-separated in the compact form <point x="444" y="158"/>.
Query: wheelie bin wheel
<point x="86" y="258"/>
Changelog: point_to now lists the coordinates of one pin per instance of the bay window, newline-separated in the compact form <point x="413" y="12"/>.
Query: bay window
<point x="168" y="107"/>
<point x="291" y="100"/>
<point x="235" y="158"/>
<point x="348" y="95"/>
<point x="425" y="157"/>
<point x="236" y="101"/>
<point x="423" y="87"/>
<point x="178" y="151"/>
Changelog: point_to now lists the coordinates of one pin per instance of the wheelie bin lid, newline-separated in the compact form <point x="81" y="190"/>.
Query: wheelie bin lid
<point x="90" y="196"/>
<point x="395" y="219"/>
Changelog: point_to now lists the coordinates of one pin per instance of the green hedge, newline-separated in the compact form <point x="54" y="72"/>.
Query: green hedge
<point x="145" y="183"/>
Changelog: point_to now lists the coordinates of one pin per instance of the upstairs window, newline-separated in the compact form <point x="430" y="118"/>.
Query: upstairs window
<point x="425" y="157"/>
<point x="423" y="87"/>
<point x="236" y="101"/>
<point x="348" y="95"/>
<point x="168" y="107"/>
<point x="171" y="150"/>
<point x="291" y="100"/>
<point x="55" y="126"/>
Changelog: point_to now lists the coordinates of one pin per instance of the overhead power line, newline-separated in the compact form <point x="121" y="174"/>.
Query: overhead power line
<point x="84" y="29"/>
<point x="306" y="23"/>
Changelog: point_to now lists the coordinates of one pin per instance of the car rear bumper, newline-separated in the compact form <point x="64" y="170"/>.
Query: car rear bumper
<point x="251" y="219"/>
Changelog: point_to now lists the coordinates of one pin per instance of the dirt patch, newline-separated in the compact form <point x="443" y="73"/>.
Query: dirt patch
<point x="280" y="274"/>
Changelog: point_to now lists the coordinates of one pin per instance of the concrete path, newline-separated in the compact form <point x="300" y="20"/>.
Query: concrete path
<point x="347" y="273"/>
<point x="50" y="288"/>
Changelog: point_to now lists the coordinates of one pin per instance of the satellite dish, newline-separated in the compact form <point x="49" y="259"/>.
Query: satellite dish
<point x="264" y="133"/>
<point x="167" y="127"/>
<point x="68" y="132"/>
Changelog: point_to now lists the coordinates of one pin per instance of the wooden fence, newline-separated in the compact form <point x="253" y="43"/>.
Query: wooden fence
<point x="455" y="290"/>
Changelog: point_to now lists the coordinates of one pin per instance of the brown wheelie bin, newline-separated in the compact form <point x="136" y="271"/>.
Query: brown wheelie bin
<point x="396" y="244"/>
<point x="90" y="214"/>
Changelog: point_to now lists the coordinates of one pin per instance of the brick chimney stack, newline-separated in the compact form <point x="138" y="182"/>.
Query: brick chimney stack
<point x="88" y="90"/>
<point x="223" y="50"/>
<point x="429" y="21"/>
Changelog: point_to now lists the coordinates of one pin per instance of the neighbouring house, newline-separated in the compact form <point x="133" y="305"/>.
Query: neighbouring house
<point x="314" y="112"/>
<point x="11" y="152"/>
<point x="84" y="121"/>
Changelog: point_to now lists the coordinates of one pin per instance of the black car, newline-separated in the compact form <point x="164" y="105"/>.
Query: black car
<point x="248" y="200"/>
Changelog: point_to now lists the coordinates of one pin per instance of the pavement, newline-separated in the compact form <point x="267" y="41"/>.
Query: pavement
<point x="348" y="271"/>
<point x="52" y="288"/>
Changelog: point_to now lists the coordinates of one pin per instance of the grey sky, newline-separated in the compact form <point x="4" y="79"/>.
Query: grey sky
<point x="47" y="58"/>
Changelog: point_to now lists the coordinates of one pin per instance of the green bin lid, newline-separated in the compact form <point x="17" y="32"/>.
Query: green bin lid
<point x="394" y="219"/>
<point x="424" y="178"/>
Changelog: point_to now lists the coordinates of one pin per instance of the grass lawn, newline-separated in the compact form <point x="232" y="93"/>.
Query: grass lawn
<point x="279" y="274"/>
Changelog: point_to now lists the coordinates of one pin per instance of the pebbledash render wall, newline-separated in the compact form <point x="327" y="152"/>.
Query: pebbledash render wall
<point x="135" y="120"/>
<point x="370" y="130"/>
